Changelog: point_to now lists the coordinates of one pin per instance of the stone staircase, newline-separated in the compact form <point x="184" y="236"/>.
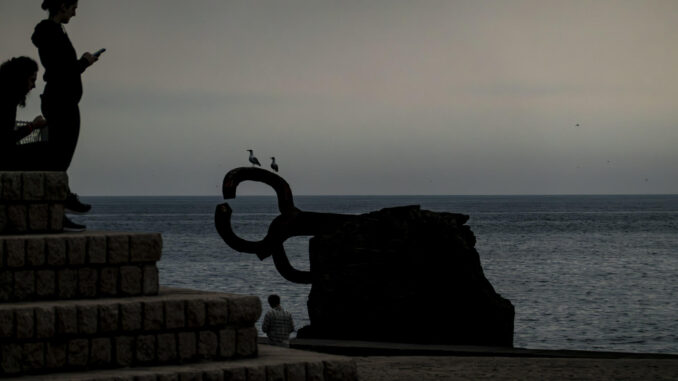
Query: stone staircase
<point x="88" y="306"/>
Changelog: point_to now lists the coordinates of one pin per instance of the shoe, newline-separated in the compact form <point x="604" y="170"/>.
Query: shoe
<point x="73" y="204"/>
<point x="70" y="226"/>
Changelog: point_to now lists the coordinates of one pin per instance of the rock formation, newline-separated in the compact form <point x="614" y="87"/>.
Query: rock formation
<point x="404" y="275"/>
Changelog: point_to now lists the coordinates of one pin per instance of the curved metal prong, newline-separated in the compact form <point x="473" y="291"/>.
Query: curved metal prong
<point x="235" y="176"/>
<point x="222" y="221"/>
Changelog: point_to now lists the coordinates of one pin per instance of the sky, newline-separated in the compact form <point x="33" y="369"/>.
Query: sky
<point x="381" y="97"/>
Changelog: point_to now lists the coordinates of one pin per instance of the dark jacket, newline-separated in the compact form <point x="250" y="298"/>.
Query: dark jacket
<point x="62" y="67"/>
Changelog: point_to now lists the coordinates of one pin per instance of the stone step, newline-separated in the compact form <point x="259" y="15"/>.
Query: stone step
<point x="175" y="326"/>
<point x="32" y="202"/>
<point x="78" y="265"/>
<point x="272" y="364"/>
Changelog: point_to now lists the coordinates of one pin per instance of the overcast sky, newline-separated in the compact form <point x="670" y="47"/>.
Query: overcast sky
<point x="372" y="97"/>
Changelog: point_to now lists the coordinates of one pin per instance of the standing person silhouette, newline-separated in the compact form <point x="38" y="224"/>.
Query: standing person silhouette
<point x="17" y="79"/>
<point x="63" y="90"/>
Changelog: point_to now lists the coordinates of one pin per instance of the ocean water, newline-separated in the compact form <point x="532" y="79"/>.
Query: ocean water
<point x="583" y="272"/>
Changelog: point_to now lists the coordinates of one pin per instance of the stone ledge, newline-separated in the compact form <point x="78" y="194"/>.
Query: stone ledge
<point x="271" y="364"/>
<point x="32" y="202"/>
<point x="177" y="325"/>
<point x="78" y="265"/>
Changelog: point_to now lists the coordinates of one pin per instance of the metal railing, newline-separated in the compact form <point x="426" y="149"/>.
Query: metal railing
<point x="37" y="136"/>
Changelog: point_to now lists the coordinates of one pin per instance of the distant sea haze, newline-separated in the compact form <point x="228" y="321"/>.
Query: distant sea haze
<point x="584" y="272"/>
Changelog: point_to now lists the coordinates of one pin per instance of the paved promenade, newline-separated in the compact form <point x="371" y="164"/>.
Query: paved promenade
<point x="423" y="368"/>
<point x="392" y="361"/>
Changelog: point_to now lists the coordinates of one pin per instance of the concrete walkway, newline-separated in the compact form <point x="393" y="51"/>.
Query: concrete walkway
<point x="423" y="368"/>
<point x="394" y="361"/>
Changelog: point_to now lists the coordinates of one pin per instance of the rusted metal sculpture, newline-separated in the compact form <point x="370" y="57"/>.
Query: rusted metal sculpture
<point x="290" y="223"/>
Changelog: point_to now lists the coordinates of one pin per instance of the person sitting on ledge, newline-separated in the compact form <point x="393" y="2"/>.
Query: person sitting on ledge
<point x="17" y="79"/>
<point x="278" y="323"/>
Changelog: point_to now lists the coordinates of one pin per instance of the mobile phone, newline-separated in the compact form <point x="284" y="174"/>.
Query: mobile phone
<point x="98" y="52"/>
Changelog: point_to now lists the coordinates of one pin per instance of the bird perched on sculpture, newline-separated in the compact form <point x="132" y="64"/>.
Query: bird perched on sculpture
<point x="253" y="159"/>
<point x="274" y="165"/>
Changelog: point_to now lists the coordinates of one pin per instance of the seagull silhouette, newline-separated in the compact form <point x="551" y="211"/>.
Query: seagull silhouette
<point x="273" y="164"/>
<point x="253" y="159"/>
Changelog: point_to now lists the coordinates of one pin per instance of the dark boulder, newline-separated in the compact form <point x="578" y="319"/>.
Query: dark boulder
<point x="404" y="275"/>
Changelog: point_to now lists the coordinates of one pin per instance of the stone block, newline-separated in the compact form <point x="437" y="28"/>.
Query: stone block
<point x="167" y="347"/>
<point x="3" y="220"/>
<point x="275" y="372"/>
<point x="56" y="217"/>
<point x="243" y="309"/>
<point x="118" y="248"/>
<point x="96" y="249"/>
<point x="227" y="342"/>
<point x="33" y="186"/>
<point x="33" y="356"/>
<point x="100" y="352"/>
<point x="217" y="311"/>
<point x="246" y="341"/>
<point x="124" y="350"/>
<point x="55" y="354"/>
<point x="295" y="372"/>
<point x="108" y="284"/>
<point x="235" y="374"/>
<point x="257" y="373"/>
<point x="145" y="247"/>
<point x="130" y="316"/>
<point x="15" y="252"/>
<point x="187" y="345"/>
<point x="315" y="371"/>
<point x="207" y="344"/>
<point x="67" y="283"/>
<point x="17" y="218"/>
<point x="130" y="280"/>
<point x="10" y="358"/>
<point x="190" y="375"/>
<point x="108" y="317"/>
<point x="45" y="322"/>
<point x="150" y="283"/>
<point x="174" y="314"/>
<point x="87" y="282"/>
<point x="6" y="324"/>
<point x="154" y="316"/>
<point x="76" y="248"/>
<point x="24" y="284"/>
<point x="6" y="285"/>
<point x="45" y="283"/>
<point x="213" y="375"/>
<point x="11" y="186"/>
<point x="35" y="252"/>
<point x="25" y="323"/>
<point x="56" y="186"/>
<point x="195" y="313"/>
<point x="145" y="348"/>
<point x="56" y="251"/>
<point x="78" y="353"/>
<point x="340" y="370"/>
<point x="38" y="217"/>
<point x="168" y="377"/>
<point x="87" y="319"/>
<point x="66" y="319"/>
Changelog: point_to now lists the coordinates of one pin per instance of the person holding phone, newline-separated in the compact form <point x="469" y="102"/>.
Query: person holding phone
<point x="63" y="88"/>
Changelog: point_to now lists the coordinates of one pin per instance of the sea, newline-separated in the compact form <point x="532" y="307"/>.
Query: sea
<point x="583" y="272"/>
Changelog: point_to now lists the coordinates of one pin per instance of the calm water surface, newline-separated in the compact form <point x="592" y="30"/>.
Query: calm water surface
<point x="584" y="272"/>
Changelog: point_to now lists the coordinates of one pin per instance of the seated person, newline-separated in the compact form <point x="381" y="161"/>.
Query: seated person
<point x="17" y="79"/>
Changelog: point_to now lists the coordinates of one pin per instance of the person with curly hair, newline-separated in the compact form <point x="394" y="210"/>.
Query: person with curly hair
<point x="17" y="79"/>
